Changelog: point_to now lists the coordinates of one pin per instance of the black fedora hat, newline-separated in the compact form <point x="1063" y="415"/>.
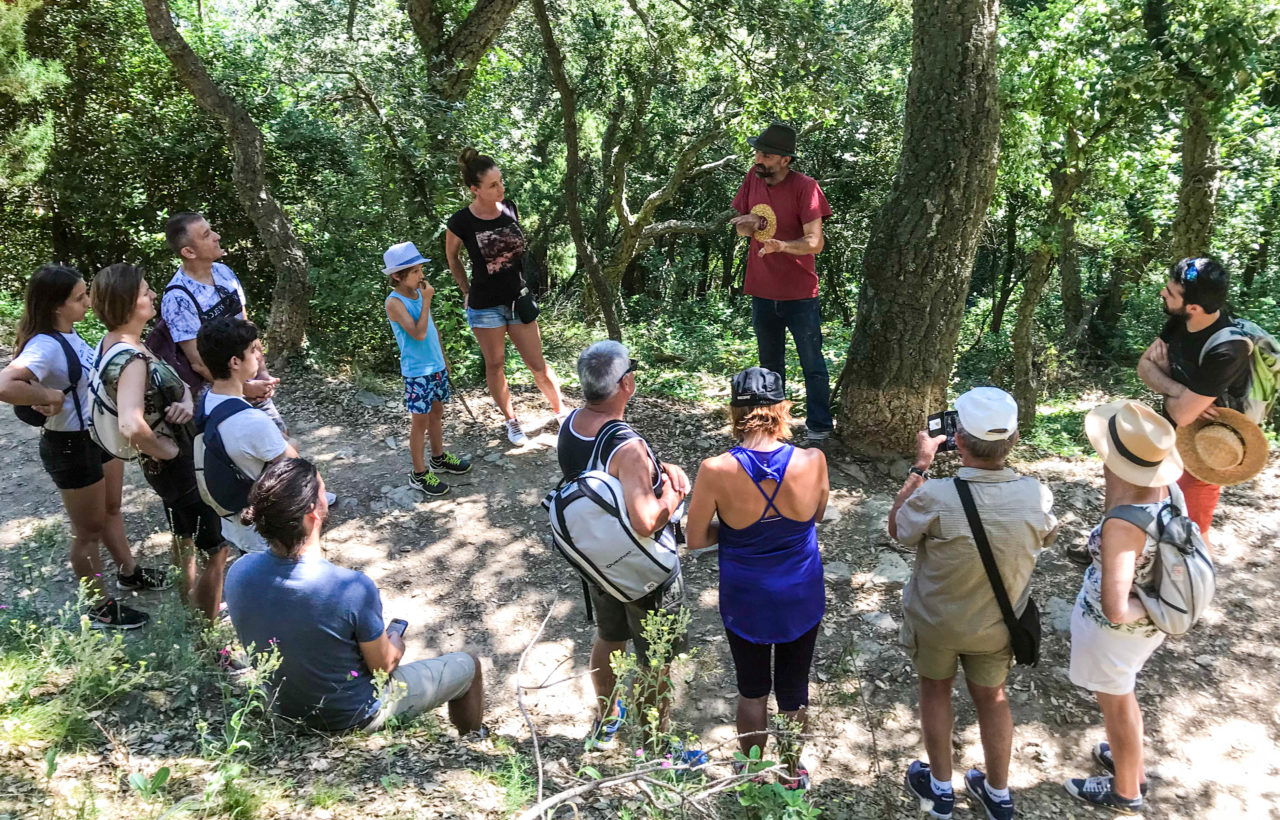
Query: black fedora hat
<point x="776" y="139"/>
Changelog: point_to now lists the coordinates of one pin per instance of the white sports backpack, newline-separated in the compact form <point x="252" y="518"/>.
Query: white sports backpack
<point x="1182" y="581"/>
<point x="104" y="419"/>
<point x="591" y="528"/>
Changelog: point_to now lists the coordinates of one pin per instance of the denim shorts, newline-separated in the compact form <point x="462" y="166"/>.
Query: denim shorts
<point x="72" y="458"/>
<point x="420" y="392"/>
<point x="499" y="316"/>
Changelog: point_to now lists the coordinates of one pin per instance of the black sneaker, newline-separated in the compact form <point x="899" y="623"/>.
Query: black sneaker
<point x="449" y="463"/>
<point x="1099" y="791"/>
<point x="144" y="578"/>
<point x="114" y="615"/>
<point x="975" y="783"/>
<point x="920" y="786"/>
<point x="428" y="483"/>
<point x="1102" y="756"/>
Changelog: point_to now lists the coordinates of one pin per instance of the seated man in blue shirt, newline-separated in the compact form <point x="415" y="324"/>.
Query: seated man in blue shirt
<point x="326" y="622"/>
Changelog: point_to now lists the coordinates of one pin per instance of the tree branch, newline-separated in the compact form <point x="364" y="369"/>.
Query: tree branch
<point x="673" y="226"/>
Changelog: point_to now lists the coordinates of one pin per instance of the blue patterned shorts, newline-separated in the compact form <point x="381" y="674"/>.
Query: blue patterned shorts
<point x="420" y="392"/>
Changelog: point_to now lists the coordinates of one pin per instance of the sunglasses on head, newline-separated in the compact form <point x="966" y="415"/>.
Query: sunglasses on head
<point x="632" y="366"/>
<point x="1190" y="274"/>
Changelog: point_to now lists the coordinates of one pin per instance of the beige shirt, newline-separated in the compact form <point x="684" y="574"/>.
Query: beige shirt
<point x="948" y="600"/>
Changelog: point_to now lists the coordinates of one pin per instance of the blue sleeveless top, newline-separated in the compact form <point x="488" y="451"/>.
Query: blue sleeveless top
<point x="417" y="358"/>
<point x="770" y="572"/>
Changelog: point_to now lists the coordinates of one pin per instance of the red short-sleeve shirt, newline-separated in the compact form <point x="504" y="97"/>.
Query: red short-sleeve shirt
<point x="795" y="201"/>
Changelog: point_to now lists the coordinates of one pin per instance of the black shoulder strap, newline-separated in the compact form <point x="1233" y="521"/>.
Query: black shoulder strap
<point x="74" y="371"/>
<point x="194" y="301"/>
<point x="988" y="560"/>
<point x="607" y="431"/>
<point x="219" y="414"/>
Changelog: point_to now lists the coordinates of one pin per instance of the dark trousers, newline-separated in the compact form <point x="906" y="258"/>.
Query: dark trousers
<point x="803" y="317"/>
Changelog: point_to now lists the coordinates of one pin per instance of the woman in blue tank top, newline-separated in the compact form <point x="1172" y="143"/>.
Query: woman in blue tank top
<point x="768" y="497"/>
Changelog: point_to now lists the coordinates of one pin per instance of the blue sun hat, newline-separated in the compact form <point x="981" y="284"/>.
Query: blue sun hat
<point x="401" y="256"/>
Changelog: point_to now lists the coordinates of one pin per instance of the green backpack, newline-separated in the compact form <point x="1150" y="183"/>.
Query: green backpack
<point x="1264" y="365"/>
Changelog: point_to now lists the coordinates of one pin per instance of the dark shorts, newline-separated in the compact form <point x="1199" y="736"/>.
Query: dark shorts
<point x="790" y="662"/>
<point x="617" y="622"/>
<point x="72" y="459"/>
<point x="190" y="517"/>
<point x="420" y="392"/>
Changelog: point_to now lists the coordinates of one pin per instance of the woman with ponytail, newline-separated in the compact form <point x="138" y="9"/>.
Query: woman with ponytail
<point x="88" y="479"/>
<point x="490" y="229"/>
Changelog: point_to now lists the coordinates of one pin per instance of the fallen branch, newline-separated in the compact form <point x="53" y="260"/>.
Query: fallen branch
<point x="533" y="733"/>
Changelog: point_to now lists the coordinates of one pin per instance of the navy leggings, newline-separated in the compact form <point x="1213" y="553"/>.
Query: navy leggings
<point x="791" y="662"/>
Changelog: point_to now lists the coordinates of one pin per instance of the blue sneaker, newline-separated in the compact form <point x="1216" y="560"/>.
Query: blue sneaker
<point x="920" y="786"/>
<point x="975" y="783"/>
<point x="1102" y="756"/>
<point x="603" y="731"/>
<point x="1100" y="791"/>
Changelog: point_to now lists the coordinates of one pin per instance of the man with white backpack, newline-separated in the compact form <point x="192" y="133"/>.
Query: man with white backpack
<point x="595" y="438"/>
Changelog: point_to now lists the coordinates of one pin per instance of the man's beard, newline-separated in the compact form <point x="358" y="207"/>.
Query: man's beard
<point x="762" y="172"/>
<point x="1179" y="313"/>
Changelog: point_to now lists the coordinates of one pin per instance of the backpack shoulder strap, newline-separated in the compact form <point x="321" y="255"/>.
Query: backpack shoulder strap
<point x="988" y="559"/>
<point x="1226" y="334"/>
<point x="219" y="414"/>
<point x="1133" y="514"/>
<point x="606" y="432"/>
<point x="74" y="373"/>
<point x="194" y="301"/>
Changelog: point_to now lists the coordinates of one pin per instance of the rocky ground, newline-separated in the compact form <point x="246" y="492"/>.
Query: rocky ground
<point x="475" y="570"/>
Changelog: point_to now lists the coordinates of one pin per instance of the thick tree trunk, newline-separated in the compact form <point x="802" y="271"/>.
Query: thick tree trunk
<point x="1070" y="285"/>
<point x="1198" y="194"/>
<point x="569" y="108"/>
<point x="1025" y="389"/>
<point x="452" y="59"/>
<point x="920" y="254"/>
<point x="290" y="303"/>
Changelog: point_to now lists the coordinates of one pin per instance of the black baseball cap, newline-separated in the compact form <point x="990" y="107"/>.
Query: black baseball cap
<point x="755" y="387"/>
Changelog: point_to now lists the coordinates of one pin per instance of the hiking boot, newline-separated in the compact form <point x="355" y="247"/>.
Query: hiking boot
<point x="144" y="578"/>
<point x="515" y="433"/>
<point x="817" y="438"/>
<point x="1102" y="756"/>
<point x="111" y="614"/>
<point x="975" y="783"/>
<point x="920" y="786"/>
<point x="602" y="731"/>
<point x="449" y="463"/>
<point x="429" y="483"/>
<point x="1100" y="791"/>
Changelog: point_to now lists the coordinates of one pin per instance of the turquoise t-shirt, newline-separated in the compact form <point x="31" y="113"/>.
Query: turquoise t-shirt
<point x="417" y="358"/>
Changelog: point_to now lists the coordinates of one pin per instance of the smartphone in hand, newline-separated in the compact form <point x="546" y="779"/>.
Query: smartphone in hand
<point x="944" y="424"/>
<point x="397" y="627"/>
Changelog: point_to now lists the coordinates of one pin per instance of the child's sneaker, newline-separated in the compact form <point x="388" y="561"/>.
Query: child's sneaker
<point x="449" y="463"/>
<point x="429" y="483"/>
<point x="920" y="785"/>
<point x="975" y="783"/>
<point x="515" y="433"/>
<point x="111" y="614"/>
<point x="1102" y="756"/>
<point x="144" y="578"/>
<point x="603" y="731"/>
<point x="1100" y="791"/>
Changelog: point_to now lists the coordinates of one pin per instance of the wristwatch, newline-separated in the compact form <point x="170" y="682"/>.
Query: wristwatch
<point x="917" y="471"/>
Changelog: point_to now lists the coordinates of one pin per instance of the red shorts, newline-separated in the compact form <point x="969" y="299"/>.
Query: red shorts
<point x="1202" y="500"/>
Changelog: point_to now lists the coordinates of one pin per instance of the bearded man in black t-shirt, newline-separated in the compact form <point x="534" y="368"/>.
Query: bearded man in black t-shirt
<point x="1195" y="380"/>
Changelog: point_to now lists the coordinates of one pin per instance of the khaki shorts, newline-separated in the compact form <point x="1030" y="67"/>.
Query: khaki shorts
<point x="937" y="663"/>
<point x="423" y="685"/>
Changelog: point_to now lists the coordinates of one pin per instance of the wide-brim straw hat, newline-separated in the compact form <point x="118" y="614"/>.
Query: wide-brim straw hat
<point x="1135" y="442"/>
<point x="1225" y="450"/>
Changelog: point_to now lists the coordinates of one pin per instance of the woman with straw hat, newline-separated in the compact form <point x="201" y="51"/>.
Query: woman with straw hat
<point x="1111" y="635"/>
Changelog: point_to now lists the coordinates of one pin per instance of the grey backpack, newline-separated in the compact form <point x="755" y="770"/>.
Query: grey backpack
<point x="1181" y="583"/>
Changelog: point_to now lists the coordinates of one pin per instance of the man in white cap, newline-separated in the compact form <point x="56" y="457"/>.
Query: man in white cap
<point x="950" y="612"/>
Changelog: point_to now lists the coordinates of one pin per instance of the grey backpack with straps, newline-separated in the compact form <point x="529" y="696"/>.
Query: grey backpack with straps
<point x="1180" y="586"/>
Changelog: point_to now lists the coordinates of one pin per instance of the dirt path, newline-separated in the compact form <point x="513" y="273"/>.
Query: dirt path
<point x="475" y="570"/>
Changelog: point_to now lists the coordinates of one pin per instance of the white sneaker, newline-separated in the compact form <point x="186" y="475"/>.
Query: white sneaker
<point x="515" y="434"/>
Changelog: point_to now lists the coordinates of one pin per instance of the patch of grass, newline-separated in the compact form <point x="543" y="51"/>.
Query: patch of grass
<point x="514" y="777"/>
<point x="328" y="794"/>
<point x="1061" y="432"/>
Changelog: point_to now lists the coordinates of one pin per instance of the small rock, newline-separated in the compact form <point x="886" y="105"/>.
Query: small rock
<point x="853" y="471"/>
<point x="321" y="765"/>
<point x="879" y="620"/>
<point x="1205" y="660"/>
<point x="891" y="569"/>
<point x="837" y="572"/>
<point x="348" y="502"/>
<point x="386" y="488"/>
<point x="369" y="399"/>
<point x="390" y="442"/>
<point x="1059" y="611"/>
<point x="493" y="458"/>
<point x="340" y="455"/>
<point x="406" y="498"/>
<point x="900" y="469"/>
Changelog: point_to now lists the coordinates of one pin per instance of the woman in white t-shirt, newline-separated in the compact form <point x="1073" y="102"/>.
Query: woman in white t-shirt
<point x="88" y="479"/>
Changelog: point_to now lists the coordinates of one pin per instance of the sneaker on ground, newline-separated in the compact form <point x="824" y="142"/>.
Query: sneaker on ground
<point x="920" y="786"/>
<point x="603" y="731"/>
<point x="1100" y="791"/>
<point x="111" y="614"/>
<point x="975" y="783"/>
<point x="817" y="438"/>
<point x="1102" y="756"/>
<point x="515" y="433"/>
<point x="795" y="782"/>
<point x="692" y="759"/>
<point x="144" y="578"/>
<point x="449" y="463"/>
<point x="428" y="482"/>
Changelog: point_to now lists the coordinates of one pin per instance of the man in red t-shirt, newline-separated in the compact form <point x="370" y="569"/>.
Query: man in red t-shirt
<point x="782" y="211"/>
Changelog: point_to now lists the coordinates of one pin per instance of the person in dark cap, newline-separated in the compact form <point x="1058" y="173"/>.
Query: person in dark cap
<point x="768" y="497"/>
<point x="781" y="210"/>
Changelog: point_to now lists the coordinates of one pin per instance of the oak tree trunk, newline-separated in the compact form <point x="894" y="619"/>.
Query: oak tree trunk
<point x="1069" y="275"/>
<point x="920" y="253"/>
<point x="1198" y="194"/>
<point x="291" y="299"/>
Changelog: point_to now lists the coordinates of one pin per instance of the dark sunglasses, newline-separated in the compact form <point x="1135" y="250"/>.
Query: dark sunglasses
<point x="631" y="368"/>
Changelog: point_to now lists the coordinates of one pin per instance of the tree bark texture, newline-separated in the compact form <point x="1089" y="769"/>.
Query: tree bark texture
<point x="919" y="256"/>
<point x="291" y="299"/>
<point x="569" y="108"/>
<point x="452" y="58"/>
<point x="1007" y="280"/>
<point x="1198" y="193"/>
<point x="1070" y="285"/>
